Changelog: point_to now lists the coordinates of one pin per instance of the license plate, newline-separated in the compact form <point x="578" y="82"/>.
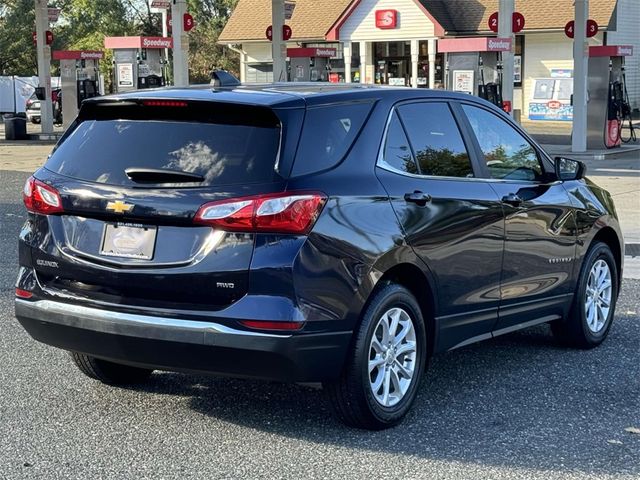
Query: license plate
<point x="129" y="241"/>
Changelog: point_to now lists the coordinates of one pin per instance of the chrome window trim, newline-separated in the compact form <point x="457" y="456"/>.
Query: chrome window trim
<point x="381" y="163"/>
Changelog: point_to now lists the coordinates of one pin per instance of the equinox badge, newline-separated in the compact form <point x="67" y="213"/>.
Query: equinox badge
<point x="119" y="207"/>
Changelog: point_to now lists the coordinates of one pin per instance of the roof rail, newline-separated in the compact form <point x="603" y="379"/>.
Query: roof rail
<point x="222" y="78"/>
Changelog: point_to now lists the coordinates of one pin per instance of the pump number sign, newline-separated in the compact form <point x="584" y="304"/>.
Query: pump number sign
<point x="592" y="28"/>
<point x="517" y="22"/>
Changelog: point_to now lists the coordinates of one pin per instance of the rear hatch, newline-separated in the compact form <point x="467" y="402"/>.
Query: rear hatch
<point x="131" y="177"/>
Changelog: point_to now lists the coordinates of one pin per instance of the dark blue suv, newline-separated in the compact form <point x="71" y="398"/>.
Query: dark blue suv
<point x="307" y="233"/>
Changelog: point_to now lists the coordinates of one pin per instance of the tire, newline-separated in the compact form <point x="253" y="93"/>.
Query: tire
<point x="580" y="329"/>
<point x="109" y="372"/>
<point x="352" y="395"/>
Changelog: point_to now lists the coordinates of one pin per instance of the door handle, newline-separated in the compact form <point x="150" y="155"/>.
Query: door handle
<point x="418" y="198"/>
<point x="512" y="199"/>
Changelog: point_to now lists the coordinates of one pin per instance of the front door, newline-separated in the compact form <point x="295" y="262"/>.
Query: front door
<point x="540" y="242"/>
<point x="453" y="221"/>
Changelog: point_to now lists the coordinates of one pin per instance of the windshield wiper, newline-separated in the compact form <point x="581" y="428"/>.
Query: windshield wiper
<point x="157" y="175"/>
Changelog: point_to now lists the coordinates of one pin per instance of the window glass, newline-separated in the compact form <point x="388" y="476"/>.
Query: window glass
<point x="436" y="140"/>
<point x="543" y="89"/>
<point x="101" y="150"/>
<point x="397" y="152"/>
<point x="507" y="153"/>
<point x="327" y="134"/>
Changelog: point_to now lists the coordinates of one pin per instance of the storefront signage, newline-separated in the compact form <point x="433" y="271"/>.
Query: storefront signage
<point x="386" y="19"/>
<point x="561" y="73"/>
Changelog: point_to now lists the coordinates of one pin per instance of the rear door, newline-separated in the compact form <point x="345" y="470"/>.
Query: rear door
<point x="452" y="220"/>
<point x="131" y="177"/>
<point x="540" y="235"/>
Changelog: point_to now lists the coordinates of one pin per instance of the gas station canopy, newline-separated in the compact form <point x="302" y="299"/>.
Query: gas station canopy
<point x="78" y="55"/>
<point x="478" y="44"/>
<point x="611" y="51"/>
<point x="311" y="52"/>
<point x="138" y="42"/>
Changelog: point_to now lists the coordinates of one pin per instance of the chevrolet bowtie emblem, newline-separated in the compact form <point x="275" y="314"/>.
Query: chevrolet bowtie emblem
<point x="119" y="207"/>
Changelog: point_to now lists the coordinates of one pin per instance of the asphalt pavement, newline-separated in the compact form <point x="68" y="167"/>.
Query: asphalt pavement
<point x="517" y="407"/>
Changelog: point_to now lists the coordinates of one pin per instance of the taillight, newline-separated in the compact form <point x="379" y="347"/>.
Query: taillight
<point x="20" y="293"/>
<point x="41" y="198"/>
<point x="274" y="213"/>
<point x="269" y="325"/>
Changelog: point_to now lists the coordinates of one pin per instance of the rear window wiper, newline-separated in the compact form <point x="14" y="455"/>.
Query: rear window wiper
<point x="157" y="175"/>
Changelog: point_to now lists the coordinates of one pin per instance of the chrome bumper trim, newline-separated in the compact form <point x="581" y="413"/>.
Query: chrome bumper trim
<point x="132" y="325"/>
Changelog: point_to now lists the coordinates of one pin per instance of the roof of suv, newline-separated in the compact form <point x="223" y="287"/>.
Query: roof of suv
<point x="282" y="95"/>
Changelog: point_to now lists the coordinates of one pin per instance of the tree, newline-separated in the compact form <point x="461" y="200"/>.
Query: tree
<point x="17" y="52"/>
<point x="205" y="54"/>
<point x="83" y="25"/>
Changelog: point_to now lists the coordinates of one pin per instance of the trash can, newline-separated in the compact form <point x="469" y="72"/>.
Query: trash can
<point x="15" y="128"/>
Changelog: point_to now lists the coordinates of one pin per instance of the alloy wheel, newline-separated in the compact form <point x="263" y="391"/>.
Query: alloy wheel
<point x="597" y="301"/>
<point x="392" y="357"/>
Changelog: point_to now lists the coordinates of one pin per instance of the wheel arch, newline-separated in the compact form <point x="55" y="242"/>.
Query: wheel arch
<point x="609" y="236"/>
<point x="417" y="281"/>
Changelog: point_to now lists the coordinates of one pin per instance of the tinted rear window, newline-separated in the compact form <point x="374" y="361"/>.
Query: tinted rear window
<point x="327" y="135"/>
<point x="99" y="150"/>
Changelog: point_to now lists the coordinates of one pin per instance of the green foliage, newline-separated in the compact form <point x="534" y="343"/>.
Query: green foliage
<point x="204" y="53"/>
<point x="17" y="53"/>
<point x="83" y="25"/>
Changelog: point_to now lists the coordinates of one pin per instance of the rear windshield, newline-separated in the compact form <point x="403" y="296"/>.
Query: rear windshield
<point x="99" y="150"/>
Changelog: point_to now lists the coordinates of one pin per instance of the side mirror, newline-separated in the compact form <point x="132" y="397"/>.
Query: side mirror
<point x="569" y="169"/>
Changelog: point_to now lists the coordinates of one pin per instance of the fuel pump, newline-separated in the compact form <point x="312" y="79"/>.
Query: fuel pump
<point x="86" y="81"/>
<point x="138" y="61"/>
<point x="79" y="78"/>
<point x="310" y="64"/>
<point x="625" y="106"/>
<point x="468" y="61"/>
<point x="492" y="91"/>
<point x="608" y="107"/>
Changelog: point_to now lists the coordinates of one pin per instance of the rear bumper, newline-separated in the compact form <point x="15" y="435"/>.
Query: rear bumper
<point x="184" y="345"/>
